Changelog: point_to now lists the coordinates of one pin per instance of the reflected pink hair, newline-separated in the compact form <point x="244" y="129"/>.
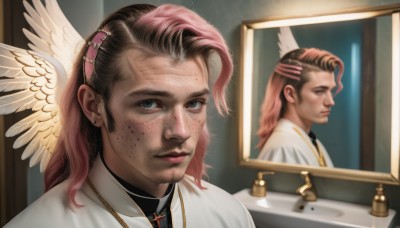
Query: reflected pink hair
<point x="168" y="29"/>
<point x="293" y="69"/>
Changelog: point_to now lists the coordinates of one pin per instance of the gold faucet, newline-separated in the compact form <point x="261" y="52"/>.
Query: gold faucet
<point x="380" y="203"/>
<point x="259" y="187"/>
<point x="307" y="190"/>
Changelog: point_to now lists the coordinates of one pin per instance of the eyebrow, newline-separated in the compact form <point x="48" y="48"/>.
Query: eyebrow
<point x="161" y="93"/>
<point x="323" y="87"/>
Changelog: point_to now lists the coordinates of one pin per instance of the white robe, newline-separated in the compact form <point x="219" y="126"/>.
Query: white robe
<point x="212" y="207"/>
<point x="287" y="145"/>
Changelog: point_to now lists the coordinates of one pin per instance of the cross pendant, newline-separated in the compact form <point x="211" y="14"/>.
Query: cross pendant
<point x="157" y="219"/>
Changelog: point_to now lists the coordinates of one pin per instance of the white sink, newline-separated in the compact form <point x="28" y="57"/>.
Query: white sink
<point x="281" y="210"/>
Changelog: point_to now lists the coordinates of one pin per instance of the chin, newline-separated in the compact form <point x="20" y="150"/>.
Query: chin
<point x="172" y="176"/>
<point x="322" y="121"/>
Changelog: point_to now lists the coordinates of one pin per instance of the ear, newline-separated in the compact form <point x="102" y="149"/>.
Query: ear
<point x="290" y="94"/>
<point x="90" y="105"/>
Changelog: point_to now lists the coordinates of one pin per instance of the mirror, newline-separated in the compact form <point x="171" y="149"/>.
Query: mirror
<point x="362" y="135"/>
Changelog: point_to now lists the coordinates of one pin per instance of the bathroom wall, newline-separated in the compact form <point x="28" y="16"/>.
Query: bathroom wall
<point x="227" y="16"/>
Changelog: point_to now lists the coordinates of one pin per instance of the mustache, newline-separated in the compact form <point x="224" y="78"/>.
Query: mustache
<point x="172" y="151"/>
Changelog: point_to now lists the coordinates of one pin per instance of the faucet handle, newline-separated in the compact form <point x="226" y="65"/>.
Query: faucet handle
<point x="307" y="191"/>
<point x="380" y="203"/>
<point x="306" y="177"/>
<point x="259" y="188"/>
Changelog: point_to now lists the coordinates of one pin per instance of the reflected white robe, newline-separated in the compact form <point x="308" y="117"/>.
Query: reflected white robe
<point x="212" y="207"/>
<point x="287" y="145"/>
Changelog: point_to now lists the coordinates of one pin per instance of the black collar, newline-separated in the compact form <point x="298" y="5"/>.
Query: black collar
<point x="147" y="202"/>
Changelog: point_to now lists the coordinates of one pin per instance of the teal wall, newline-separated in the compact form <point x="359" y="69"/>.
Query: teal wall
<point x="227" y="16"/>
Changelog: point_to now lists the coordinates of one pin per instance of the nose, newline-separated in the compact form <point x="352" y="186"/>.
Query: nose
<point x="177" y="128"/>
<point x="329" y="101"/>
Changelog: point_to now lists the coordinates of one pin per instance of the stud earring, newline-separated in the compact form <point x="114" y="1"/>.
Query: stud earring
<point x="94" y="122"/>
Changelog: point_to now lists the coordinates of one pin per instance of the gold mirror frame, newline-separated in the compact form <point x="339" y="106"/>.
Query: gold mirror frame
<point x="245" y="101"/>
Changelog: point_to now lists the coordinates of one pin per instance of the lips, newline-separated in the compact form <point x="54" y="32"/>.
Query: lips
<point x="174" y="157"/>
<point x="326" y="112"/>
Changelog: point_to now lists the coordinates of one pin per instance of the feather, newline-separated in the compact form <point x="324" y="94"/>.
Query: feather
<point x="40" y="95"/>
<point x="26" y="137"/>
<point x="286" y="42"/>
<point x="7" y="85"/>
<point x="51" y="99"/>
<point x="35" y="79"/>
<point x="31" y="148"/>
<point x="47" y="91"/>
<point x="35" y="131"/>
<point x="61" y="37"/>
<point x="39" y="105"/>
<point x="38" y="43"/>
<point x="42" y="32"/>
<point x="16" y="102"/>
<point x="31" y="11"/>
<point x="56" y="13"/>
<point x="45" y="160"/>
<point x="9" y="63"/>
<point x="44" y="16"/>
<point x="26" y="123"/>
<point x="36" y="156"/>
<point x="49" y="107"/>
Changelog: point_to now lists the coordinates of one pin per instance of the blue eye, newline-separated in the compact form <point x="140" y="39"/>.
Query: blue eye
<point x="148" y="104"/>
<point x="193" y="104"/>
<point x="196" y="105"/>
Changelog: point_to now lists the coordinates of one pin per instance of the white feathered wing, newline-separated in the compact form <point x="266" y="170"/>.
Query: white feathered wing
<point x="286" y="41"/>
<point x="35" y="79"/>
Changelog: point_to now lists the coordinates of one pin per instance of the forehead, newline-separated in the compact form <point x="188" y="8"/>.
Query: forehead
<point x="321" y="78"/>
<point x="140" y="69"/>
<point x="140" y="63"/>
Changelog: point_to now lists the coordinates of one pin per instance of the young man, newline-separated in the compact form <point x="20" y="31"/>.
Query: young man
<point x="134" y="133"/>
<point x="299" y="94"/>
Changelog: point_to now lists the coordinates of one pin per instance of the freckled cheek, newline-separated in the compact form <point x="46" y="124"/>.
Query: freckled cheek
<point x="133" y="135"/>
<point x="197" y="126"/>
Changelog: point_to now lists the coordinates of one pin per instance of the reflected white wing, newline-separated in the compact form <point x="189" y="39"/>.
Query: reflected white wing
<point x="286" y="42"/>
<point x="34" y="79"/>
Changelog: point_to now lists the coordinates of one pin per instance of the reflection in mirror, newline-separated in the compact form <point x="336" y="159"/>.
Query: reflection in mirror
<point x="362" y="132"/>
<point x="342" y="135"/>
<point x="300" y="92"/>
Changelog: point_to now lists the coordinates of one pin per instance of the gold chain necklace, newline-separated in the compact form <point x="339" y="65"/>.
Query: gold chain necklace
<point x="115" y="214"/>
<point x="319" y="155"/>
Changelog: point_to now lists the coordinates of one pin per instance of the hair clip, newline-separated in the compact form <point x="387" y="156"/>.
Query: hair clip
<point x="91" y="53"/>
<point x="289" y="70"/>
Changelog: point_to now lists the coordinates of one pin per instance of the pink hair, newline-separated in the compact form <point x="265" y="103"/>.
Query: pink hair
<point x="270" y="108"/>
<point x="304" y="59"/>
<point x="326" y="61"/>
<point x="164" y="17"/>
<point x="167" y="29"/>
<point x="71" y="157"/>
<point x="205" y="36"/>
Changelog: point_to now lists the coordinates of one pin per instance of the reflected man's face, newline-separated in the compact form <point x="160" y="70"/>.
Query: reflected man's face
<point x="316" y="98"/>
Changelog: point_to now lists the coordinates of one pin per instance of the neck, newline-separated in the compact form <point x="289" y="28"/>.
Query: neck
<point x="305" y="125"/>
<point x="155" y="190"/>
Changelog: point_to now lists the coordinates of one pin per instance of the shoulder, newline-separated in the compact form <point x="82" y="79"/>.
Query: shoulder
<point x="284" y="150"/>
<point x="214" y="203"/>
<point x="283" y="142"/>
<point x="50" y="205"/>
<point x="52" y="208"/>
<point x="209" y="190"/>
